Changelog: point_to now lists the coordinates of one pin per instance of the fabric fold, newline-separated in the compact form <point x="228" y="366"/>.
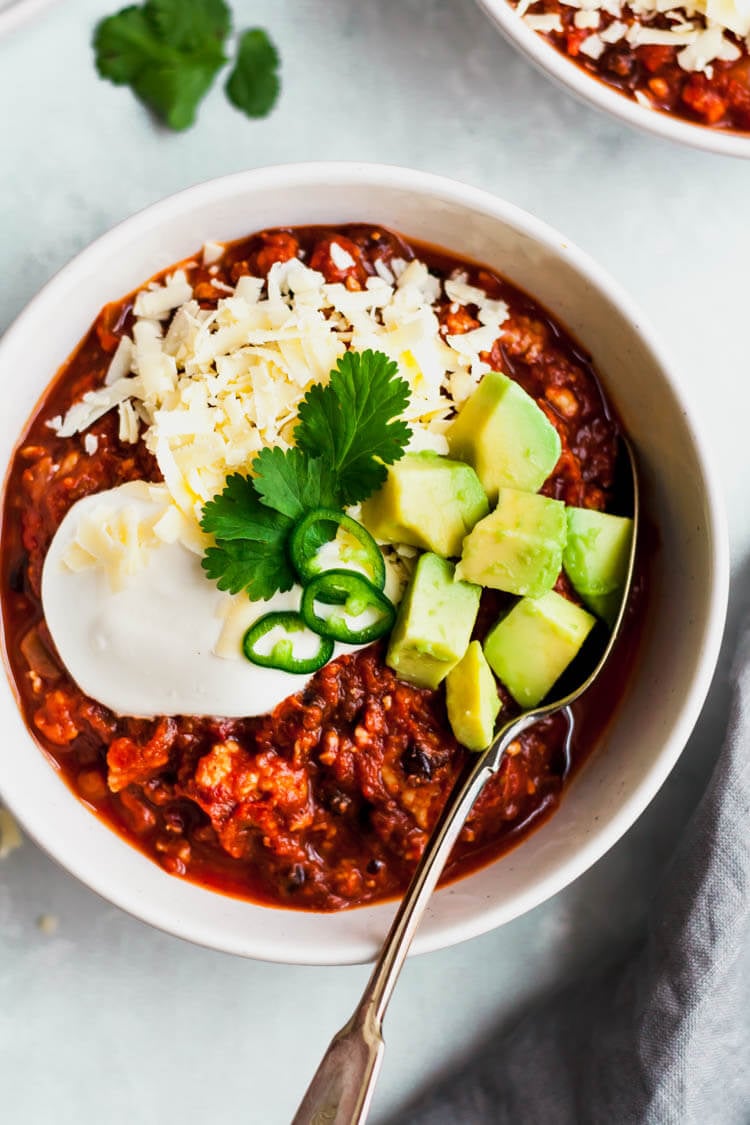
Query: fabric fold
<point x="663" y="1036"/>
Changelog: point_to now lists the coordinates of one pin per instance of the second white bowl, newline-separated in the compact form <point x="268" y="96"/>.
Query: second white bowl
<point x="590" y="89"/>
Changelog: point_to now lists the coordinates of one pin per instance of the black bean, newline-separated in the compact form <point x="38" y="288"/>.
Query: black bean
<point x="415" y="762"/>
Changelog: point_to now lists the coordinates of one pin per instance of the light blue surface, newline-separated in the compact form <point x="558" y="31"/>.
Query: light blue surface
<point x="108" y="1021"/>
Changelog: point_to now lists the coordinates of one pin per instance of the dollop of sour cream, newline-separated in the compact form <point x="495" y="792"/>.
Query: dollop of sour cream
<point x="167" y="642"/>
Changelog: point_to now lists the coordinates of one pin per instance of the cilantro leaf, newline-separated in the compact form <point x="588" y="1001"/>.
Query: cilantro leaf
<point x="292" y="483"/>
<point x="170" y="51"/>
<point x="239" y="513"/>
<point x="250" y="552"/>
<point x="244" y="564"/>
<point x="349" y="429"/>
<point x="167" y="51"/>
<point x="253" y="86"/>
<point x="174" y="90"/>
<point x="353" y="421"/>
<point x="124" y="43"/>
<point x="186" y="24"/>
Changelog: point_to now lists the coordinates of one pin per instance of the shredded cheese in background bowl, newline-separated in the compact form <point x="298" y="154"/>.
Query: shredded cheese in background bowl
<point x="207" y="389"/>
<point x="698" y="29"/>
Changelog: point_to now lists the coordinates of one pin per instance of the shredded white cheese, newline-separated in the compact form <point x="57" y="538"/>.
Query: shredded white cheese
<point x="544" y="23"/>
<point x="640" y="36"/>
<point x="698" y="32"/>
<point x="340" y="257"/>
<point x="732" y="14"/>
<point x="159" y="302"/>
<point x="584" y="19"/>
<point x="129" y="428"/>
<point x="213" y="252"/>
<point x="207" y="389"/>
<point x="614" y="32"/>
<point x="119" y="539"/>
<point x="704" y="47"/>
<point x="121" y="361"/>
<point x="593" y="46"/>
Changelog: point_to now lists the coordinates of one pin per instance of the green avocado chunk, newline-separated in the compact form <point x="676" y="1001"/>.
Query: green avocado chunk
<point x="597" y="551"/>
<point x="427" y="501"/>
<point x="606" y="606"/>
<point x="518" y="547"/>
<point x="508" y="439"/>
<point x="472" y="699"/>
<point x="530" y="648"/>
<point x="434" y="623"/>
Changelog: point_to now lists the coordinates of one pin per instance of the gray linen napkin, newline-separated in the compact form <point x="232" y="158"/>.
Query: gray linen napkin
<point x="663" y="1037"/>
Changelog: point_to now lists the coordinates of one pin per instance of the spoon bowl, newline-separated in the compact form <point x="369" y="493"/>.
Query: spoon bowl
<point x="342" y="1088"/>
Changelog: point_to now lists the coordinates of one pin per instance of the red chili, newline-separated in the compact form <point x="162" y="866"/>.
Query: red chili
<point x="327" y="801"/>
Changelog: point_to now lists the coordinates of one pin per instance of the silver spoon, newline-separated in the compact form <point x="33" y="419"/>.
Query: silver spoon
<point x="342" y="1088"/>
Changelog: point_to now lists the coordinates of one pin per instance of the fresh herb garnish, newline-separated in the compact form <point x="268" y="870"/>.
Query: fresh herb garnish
<point x="253" y="86"/>
<point x="355" y="419"/>
<point x="259" y="566"/>
<point x="170" y="51"/>
<point x="239" y="513"/>
<point x="348" y="429"/>
<point x="293" y="483"/>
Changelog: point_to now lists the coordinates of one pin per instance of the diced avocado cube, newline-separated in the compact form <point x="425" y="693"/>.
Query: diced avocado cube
<point x="427" y="501"/>
<point x="434" y="623"/>
<point x="530" y="648"/>
<point x="472" y="699"/>
<point x="518" y="547"/>
<point x="597" y="551"/>
<point x="606" y="606"/>
<point x="508" y="439"/>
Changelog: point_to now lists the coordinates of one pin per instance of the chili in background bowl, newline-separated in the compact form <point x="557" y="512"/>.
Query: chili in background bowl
<point x="595" y="91"/>
<point x="689" y="572"/>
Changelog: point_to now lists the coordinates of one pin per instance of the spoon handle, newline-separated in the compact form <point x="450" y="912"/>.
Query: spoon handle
<point x="341" y="1091"/>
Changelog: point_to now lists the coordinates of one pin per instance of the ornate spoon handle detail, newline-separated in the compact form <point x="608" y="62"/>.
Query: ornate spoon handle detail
<point x="341" y="1091"/>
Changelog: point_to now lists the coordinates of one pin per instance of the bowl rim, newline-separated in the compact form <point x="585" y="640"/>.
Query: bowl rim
<point x="20" y="12"/>
<point x="595" y="92"/>
<point x="452" y="192"/>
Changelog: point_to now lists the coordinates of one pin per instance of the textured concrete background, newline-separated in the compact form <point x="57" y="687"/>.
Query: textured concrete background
<point x="106" y="1020"/>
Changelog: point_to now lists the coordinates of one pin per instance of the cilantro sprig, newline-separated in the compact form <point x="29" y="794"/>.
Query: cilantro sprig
<point x="253" y="86"/>
<point x="292" y="482"/>
<point x="170" y="51"/>
<point x="261" y="567"/>
<point x="354" y="418"/>
<point x="349" y="429"/>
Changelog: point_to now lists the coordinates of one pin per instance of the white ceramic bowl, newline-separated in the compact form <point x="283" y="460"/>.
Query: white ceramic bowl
<point x="682" y="637"/>
<point x="13" y="13"/>
<point x="563" y="70"/>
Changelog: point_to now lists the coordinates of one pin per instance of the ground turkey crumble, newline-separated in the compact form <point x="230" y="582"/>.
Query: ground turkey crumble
<point x="328" y="801"/>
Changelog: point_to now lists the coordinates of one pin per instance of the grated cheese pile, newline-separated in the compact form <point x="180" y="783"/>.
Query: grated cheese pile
<point x="119" y="537"/>
<point x="698" y="28"/>
<point x="207" y="389"/>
